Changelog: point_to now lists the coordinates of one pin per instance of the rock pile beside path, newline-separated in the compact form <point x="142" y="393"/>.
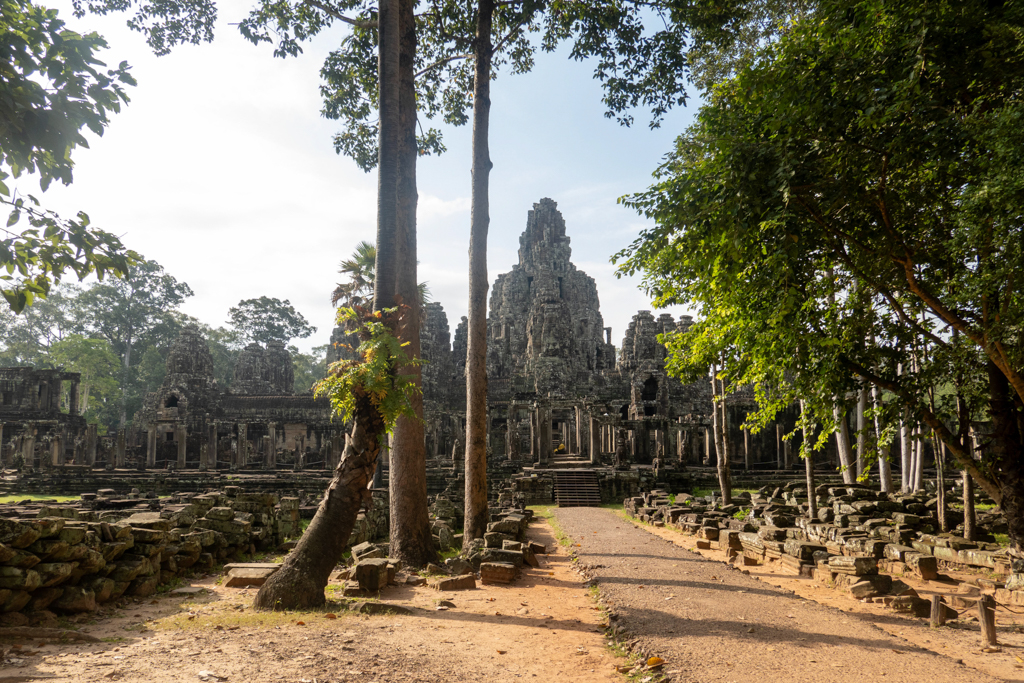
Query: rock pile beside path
<point x="67" y="560"/>
<point x="892" y="532"/>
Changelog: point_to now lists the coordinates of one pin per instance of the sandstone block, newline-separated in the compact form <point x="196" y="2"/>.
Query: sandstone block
<point x="18" y="534"/>
<point x="75" y="599"/>
<point x="454" y="583"/>
<point x="497" y="572"/>
<point x="249" y="575"/>
<point x="372" y="574"/>
<point x="19" y="579"/>
<point x="925" y="566"/>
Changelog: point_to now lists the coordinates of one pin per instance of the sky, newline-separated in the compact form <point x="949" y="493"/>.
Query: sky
<point x="222" y="170"/>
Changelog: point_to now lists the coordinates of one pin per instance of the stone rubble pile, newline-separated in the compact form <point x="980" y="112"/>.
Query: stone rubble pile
<point x="70" y="558"/>
<point x="859" y="541"/>
<point x="498" y="558"/>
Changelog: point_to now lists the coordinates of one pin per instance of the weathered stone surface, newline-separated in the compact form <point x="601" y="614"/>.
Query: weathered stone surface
<point x="249" y="575"/>
<point x="454" y="583"/>
<point x="75" y="599"/>
<point x="372" y="574"/>
<point x="857" y="566"/>
<point x="497" y="572"/>
<point x="923" y="565"/>
<point x="382" y="608"/>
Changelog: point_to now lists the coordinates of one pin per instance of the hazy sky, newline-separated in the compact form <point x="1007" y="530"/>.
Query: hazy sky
<point x="222" y="169"/>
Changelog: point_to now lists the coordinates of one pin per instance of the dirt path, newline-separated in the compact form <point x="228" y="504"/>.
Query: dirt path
<point x="710" y="622"/>
<point x="543" y="628"/>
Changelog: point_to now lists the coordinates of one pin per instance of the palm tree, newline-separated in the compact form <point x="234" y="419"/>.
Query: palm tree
<point x="360" y="271"/>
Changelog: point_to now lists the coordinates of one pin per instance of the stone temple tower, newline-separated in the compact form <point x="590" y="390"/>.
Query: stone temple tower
<point x="545" y="325"/>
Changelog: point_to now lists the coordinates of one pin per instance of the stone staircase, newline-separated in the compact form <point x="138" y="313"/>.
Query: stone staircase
<point x="577" y="488"/>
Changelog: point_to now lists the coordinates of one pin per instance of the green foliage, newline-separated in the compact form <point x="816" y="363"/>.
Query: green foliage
<point x="52" y="86"/>
<point x="267" y="319"/>
<point x="99" y="367"/>
<point x="309" y="368"/>
<point x="846" y="209"/>
<point x="376" y="372"/>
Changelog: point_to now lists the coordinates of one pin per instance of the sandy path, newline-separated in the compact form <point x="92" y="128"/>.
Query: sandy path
<point x="713" y="623"/>
<point x="542" y="628"/>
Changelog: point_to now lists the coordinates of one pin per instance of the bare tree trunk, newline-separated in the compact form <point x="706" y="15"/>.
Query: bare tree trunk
<point x="721" y="437"/>
<point x="862" y="429"/>
<point x="970" y="518"/>
<point x="918" y="473"/>
<point x="476" y="354"/>
<point x="843" y="440"/>
<point x="906" y="450"/>
<point x="411" y="538"/>
<point x="884" y="467"/>
<point x="812" y="502"/>
<point x="940" y="485"/>
<point x="300" y="582"/>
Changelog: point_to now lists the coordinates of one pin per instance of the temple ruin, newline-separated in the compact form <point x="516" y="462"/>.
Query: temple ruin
<point x="560" y="397"/>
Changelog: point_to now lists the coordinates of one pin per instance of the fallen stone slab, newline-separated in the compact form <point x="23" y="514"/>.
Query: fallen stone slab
<point x="497" y="572"/>
<point x="454" y="583"/>
<point x="251" y="576"/>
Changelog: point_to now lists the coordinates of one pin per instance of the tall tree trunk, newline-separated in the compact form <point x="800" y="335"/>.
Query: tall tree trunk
<point x="884" y="466"/>
<point x="970" y="517"/>
<point x="862" y="429"/>
<point x="812" y="502"/>
<point x="940" y="485"/>
<point x="1006" y="452"/>
<point x="721" y="437"/>
<point x="918" y="459"/>
<point x="906" y="453"/>
<point x="476" y="512"/>
<point x="385" y="263"/>
<point x="411" y="538"/>
<point x="300" y="582"/>
<point x="843" y="440"/>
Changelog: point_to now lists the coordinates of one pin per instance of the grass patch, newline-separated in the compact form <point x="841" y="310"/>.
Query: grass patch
<point x="1002" y="539"/>
<point x="547" y="513"/>
<point x="450" y="553"/>
<point x="37" y="497"/>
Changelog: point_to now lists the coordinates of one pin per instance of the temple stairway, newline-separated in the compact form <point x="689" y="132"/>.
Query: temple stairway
<point x="577" y="488"/>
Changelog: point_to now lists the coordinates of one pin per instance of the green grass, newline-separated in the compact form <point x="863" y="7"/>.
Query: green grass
<point x="18" y="497"/>
<point x="1002" y="539"/>
<point x="701" y="492"/>
<point x="547" y="513"/>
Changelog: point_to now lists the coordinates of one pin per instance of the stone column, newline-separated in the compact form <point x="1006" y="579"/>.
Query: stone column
<point x="91" y="439"/>
<point x="545" y="438"/>
<point x="73" y="399"/>
<point x="746" y="449"/>
<point x="56" y="450"/>
<point x="181" y="433"/>
<point x="151" y="447"/>
<point x="595" y="441"/>
<point x="270" y="447"/>
<point x="534" y="434"/>
<point x="778" y="447"/>
<point x="242" y="445"/>
<point x="3" y="463"/>
<point x="119" y="453"/>
<point x="211" y="445"/>
<point x="28" y="448"/>
<point x="707" y="446"/>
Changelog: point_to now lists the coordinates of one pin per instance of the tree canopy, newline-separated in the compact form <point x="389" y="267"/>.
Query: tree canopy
<point x="267" y="319"/>
<point x="847" y="209"/>
<point x="52" y="87"/>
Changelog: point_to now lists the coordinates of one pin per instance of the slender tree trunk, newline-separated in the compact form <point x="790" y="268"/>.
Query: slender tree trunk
<point x="387" y="156"/>
<point x="300" y="582"/>
<point x="862" y="429"/>
<point x="905" y="453"/>
<point x="721" y="437"/>
<point x="940" y="485"/>
<point x="812" y="502"/>
<point x="970" y="518"/>
<point x="918" y="459"/>
<point x="843" y="441"/>
<point x="476" y="512"/>
<point x="884" y="465"/>
<point x="411" y="538"/>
